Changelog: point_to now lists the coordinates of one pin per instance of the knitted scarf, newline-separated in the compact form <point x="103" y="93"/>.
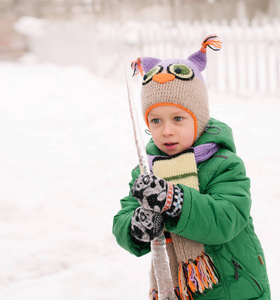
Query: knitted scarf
<point x="192" y="269"/>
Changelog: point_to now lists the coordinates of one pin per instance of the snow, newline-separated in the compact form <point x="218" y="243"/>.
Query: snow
<point x="66" y="153"/>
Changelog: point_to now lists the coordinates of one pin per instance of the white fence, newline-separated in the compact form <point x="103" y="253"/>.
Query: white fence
<point x="248" y="63"/>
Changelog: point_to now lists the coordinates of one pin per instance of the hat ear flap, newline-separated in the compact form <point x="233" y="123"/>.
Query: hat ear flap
<point x="199" y="58"/>
<point x="144" y="64"/>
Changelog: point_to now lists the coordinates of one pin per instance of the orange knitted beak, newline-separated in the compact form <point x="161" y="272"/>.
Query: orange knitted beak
<point x="163" y="77"/>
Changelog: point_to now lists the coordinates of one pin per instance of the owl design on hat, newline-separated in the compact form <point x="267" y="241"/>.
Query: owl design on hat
<point x="177" y="82"/>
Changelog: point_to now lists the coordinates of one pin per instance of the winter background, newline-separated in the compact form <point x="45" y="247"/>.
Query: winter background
<point x="67" y="149"/>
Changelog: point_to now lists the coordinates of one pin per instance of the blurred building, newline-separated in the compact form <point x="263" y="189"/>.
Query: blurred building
<point x="124" y="10"/>
<point x="97" y="33"/>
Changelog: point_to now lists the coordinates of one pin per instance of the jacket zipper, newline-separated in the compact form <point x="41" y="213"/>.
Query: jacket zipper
<point x="236" y="267"/>
<point x="236" y="274"/>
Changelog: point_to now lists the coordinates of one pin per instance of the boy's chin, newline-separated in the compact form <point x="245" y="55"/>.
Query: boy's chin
<point x="175" y="151"/>
<point x="172" y="152"/>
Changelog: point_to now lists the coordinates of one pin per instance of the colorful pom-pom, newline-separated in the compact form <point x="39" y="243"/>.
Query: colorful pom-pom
<point x="137" y="68"/>
<point x="212" y="42"/>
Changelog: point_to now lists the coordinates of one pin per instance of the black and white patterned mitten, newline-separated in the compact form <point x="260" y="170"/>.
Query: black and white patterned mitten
<point x="146" y="224"/>
<point x="158" y="195"/>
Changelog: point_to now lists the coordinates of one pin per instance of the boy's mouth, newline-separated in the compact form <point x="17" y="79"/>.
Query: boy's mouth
<point x="170" y="146"/>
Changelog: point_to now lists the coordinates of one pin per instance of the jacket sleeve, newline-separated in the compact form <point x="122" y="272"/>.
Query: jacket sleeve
<point x="122" y="223"/>
<point x="222" y="211"/>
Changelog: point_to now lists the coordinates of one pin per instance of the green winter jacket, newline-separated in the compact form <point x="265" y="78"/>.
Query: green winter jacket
<point x="217" y="216"/>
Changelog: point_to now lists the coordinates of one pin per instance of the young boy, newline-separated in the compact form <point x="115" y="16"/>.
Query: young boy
<point x="198" y="190"/>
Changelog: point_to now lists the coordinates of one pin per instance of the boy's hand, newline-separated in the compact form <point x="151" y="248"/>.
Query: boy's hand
<point x="156" y="194"/>
<point x="146" y="225"/>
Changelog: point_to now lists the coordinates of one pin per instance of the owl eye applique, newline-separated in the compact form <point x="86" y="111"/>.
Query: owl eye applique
<point x="181" y="71"/>
<point x="149" y="76"/>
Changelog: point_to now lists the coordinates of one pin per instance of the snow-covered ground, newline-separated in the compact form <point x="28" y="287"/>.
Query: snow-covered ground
<point x="65" y="158"/>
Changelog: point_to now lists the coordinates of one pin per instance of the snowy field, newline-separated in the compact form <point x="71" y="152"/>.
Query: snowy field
<point x="65" y="158"/>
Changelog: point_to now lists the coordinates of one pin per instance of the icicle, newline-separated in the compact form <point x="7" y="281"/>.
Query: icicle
<point x="212" y="42"/>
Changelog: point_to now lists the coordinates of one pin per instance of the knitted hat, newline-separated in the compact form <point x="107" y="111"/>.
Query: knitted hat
<point x="177" y="82"/>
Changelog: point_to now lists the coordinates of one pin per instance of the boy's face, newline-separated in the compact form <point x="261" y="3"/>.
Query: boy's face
<point x="172" y="128"/>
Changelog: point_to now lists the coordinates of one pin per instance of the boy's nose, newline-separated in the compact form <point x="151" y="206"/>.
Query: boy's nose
<point x="163" y="77"/>
<point x="167" y="130"/>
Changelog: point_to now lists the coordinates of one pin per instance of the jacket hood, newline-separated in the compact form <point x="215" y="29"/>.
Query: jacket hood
<point x="216" y="132"/>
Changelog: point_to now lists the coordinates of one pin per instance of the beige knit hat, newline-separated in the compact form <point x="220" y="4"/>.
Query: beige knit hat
<point x="177" y="82"/>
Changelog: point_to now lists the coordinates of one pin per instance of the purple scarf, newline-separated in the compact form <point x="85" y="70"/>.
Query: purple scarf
<point x="201" y="153"/>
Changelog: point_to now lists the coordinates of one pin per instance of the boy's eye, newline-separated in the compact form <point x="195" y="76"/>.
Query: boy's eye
<point x="178" y="119"/>
<point x="181" y="71"/>
<point x="149" y="76"/>
<point x="156" y="121"/>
